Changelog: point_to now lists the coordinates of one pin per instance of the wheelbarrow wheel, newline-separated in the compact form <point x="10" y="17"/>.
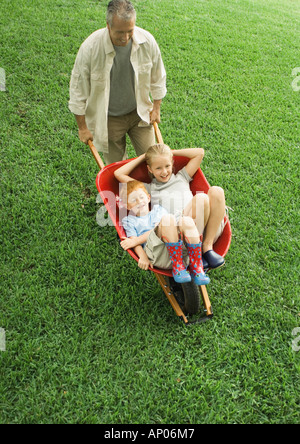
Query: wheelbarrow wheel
<point x="187" y="295"/>
<point x="191" y="298"/>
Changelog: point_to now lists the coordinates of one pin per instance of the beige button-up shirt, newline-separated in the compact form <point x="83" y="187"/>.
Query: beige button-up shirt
<point x="90" y="80"/>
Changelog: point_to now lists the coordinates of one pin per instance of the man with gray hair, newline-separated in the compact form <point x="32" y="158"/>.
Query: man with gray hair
<point x="116" y="70"/>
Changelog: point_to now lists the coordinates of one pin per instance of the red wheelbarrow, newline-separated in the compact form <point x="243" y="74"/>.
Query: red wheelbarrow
<point x="184" y="298"/>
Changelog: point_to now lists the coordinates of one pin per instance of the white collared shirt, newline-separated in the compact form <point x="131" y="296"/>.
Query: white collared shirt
<point x="90" y="80"/>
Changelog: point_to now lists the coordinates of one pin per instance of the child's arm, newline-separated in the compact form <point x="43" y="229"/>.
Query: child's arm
<point x="123" y="173"/>
<point x="136" y="244"/>
<point x="144" y="262"/>
<point x="128" y="243"/>
<point x="195" y="155"/>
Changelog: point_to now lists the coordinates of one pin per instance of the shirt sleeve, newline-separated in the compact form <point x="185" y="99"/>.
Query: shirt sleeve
<point x="129" y="227"/>
<point x="185" y="175"/>
<point x="159" y="212"/>
<point x="80" y="82"/>
<point x="158" y="87"/>
<point x="162" y="211"/>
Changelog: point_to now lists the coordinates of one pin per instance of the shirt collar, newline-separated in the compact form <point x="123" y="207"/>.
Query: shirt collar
<point x="108" y="46"/>
<point x="138" y="39"/>
<point x="138" y="36"/>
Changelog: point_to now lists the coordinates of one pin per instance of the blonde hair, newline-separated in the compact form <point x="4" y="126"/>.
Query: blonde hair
<point x="160" y="149"/>
<point x="129" y="187"/>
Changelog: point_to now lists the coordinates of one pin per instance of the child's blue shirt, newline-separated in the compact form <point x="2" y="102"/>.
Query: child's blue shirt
<point x="136" y="226"/>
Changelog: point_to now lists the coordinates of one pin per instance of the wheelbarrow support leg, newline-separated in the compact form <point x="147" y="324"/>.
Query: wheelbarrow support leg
<point x="171" y="297"/>
<point x="206" y="301"/>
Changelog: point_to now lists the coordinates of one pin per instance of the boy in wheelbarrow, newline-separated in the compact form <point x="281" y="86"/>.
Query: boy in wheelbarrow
<point x="155" y="237"/>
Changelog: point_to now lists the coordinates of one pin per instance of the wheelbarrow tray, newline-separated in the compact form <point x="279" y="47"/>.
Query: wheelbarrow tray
<point x="108" y="187"/>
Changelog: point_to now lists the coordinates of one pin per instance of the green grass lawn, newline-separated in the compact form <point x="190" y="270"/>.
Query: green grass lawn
<point x="89" y="337"/>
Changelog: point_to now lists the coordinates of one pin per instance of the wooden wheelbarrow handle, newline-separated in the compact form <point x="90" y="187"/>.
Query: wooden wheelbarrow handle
<point x="96" y="155"/>
<point x="157" y="133"/>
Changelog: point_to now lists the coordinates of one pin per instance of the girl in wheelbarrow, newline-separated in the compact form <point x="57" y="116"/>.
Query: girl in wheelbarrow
<point x="192" y="215"/>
